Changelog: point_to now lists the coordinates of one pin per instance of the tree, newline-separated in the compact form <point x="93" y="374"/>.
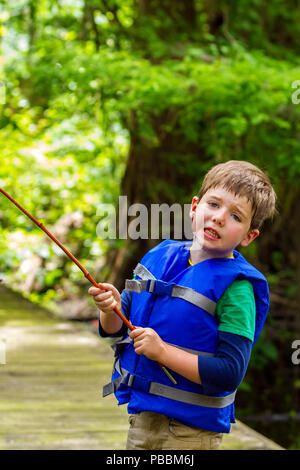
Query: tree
<point x="140" y="98"/>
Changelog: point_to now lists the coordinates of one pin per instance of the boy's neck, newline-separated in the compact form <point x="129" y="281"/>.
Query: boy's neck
<point x="198" y="254"/>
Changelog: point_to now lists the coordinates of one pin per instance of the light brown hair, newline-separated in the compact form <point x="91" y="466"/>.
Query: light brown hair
<point x="244" y="179"/>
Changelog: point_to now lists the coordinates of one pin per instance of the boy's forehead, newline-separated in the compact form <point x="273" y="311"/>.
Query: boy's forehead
<point x="224" y="194"/>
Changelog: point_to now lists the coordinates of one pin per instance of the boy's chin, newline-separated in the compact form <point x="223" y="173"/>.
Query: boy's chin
<point x="217" y="251"/>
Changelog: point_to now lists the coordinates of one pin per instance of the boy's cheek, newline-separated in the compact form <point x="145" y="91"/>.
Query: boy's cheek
<point x="199" y="220"/>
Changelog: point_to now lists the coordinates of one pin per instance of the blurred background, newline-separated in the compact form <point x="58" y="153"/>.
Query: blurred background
<point x="102" y="98"/>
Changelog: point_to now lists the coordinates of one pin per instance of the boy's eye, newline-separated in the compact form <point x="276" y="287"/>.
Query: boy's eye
<point x="236" y="217"/>
<point x="213" y="204"/>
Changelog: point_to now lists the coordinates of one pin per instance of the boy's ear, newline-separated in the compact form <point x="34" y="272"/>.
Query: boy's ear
<point x="193" y="206"/>
<point x="251" y="235"/>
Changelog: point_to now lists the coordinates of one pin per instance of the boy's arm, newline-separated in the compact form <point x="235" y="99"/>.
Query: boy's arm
<point x="182" y="362"/>
<point x="112" y="325"/>
<point x="106" y="298"/>
<point x="225" y="371"/>
<point x="109" y="324"/>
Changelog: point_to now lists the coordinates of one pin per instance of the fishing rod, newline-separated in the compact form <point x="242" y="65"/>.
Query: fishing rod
<point x="85" y="272"/>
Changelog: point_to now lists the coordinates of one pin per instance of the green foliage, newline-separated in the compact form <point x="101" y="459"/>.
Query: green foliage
<point x="264" y="353"/>
<point x="83" y="79"/>
<point x="72" y="106"/>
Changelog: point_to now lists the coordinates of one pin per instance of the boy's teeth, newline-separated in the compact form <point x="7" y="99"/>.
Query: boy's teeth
<point x="212" y="232"/>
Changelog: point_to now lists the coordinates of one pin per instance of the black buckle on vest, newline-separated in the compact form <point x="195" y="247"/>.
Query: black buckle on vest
<point x="139" y="383"/>
<point x="155" y="286"/>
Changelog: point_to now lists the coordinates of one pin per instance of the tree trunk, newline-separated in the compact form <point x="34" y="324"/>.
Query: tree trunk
<point x="181" y="9"/>
<point x="154" y="175"/>
<point x="32" y="23"/>
<point x="151" y="177"/>
<point x="171" y="22"/>
<point x="215" y="15"/>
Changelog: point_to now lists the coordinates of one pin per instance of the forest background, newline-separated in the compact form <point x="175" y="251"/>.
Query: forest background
<point x="102" y="98"/>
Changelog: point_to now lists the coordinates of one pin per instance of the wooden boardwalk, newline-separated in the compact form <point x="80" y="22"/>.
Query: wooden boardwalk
<point x="50" y="386"/>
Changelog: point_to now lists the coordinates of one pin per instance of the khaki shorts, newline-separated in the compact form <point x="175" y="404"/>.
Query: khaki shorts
<point x="157" y="432"/>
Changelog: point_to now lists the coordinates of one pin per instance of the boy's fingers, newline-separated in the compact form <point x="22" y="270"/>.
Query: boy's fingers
<point x="94" y="291"/>
<point x="110" y="288"/>
<point x="109" y="303"/>
<point x="105" y="286"/>
<point x="136" y="332"/>
<point x="103" y="296"/>
<point x="106" y="298"/>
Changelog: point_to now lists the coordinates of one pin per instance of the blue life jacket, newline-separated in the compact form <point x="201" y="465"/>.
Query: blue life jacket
<point x="179" y="303"/>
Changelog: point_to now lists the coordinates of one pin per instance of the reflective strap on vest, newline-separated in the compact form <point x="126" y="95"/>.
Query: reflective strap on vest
<point x="136" y="286"/>
<point x="158" y="287"/>
<point x="113" y="386"/>
<point x="192" y="398"/>
<point x="117" y="346"/>
<point x="192" y="351"/>
<point x="141" y="271"/>
<point x="192" y="296"/>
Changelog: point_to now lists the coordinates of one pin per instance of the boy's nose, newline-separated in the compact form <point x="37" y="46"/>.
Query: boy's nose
<point x="219" y="219"/>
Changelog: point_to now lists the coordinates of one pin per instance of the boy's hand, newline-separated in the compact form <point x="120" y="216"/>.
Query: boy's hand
<point x="106" y="300"/>
<point x="148" y="342"/>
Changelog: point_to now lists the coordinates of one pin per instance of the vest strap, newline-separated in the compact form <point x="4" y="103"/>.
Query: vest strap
<point x="134" y="285"/>
<point x="191" y="397"/>
<point x="192" y="351"/>
<point x="155" y="286"/>
<point x="119" y="345"/>
<point x="112" y="387"/>
<point x="195" y="298"/>
<point x="141" y="271"/>
<point x="140" y="383"/>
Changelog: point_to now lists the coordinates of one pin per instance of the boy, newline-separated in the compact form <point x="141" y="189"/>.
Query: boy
<point x="199" y="307"/>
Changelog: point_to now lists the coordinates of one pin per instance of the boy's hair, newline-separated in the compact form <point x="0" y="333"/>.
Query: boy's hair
<point x="244" y="179"/>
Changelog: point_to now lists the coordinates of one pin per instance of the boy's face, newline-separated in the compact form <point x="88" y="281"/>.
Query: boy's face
<point x="222" y="221"/>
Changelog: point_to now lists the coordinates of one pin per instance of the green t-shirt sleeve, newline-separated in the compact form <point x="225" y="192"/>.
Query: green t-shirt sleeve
<point x="236" y="310"/>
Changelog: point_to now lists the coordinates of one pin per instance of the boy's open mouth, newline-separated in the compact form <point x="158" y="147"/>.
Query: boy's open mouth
<point x="211" y="233"/>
